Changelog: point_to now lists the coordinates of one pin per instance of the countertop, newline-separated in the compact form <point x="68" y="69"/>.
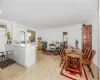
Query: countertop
<point x="22" y="45"/>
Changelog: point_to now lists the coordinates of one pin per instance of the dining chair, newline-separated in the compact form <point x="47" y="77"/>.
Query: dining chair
<point x="85" y="54"/>
<point x="87" y="61"/>
<point x="61" y="51"/>
<point x="74" y="63"/>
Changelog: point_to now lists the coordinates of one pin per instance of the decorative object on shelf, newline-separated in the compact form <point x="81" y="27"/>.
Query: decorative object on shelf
<point x="76" y="43"/>
<point x="83" y="25"/>
<point x="39" y="39"/>
<point x="8" y="37"/>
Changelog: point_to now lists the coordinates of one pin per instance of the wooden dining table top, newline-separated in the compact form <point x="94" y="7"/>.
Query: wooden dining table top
<point x="73" y="51"/>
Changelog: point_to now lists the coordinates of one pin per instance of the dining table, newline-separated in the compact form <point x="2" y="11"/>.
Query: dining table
<point x="73" y="50"/>
<point x="74" y="53"/>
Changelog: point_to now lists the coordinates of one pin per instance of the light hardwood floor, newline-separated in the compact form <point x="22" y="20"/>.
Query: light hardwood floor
<point x="46" y="68"/>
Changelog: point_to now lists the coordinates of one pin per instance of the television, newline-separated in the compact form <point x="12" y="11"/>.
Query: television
<point x="2" y="31"/>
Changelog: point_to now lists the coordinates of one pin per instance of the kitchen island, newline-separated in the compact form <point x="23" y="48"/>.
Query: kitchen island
<point x="22" y="54"/>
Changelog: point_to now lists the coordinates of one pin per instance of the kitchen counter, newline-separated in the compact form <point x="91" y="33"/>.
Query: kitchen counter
<point x="22" y="54"/>
<point x="22" y="45"/>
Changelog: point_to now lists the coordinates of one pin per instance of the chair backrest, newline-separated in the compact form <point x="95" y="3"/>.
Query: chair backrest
<point x="86" y="52"/>
<point x="91" y="55"/>
<point x="77" y="58"/>
<point x="61" y="51"/>
<point x="66" y="45"/>
<point x="44" y="44"/>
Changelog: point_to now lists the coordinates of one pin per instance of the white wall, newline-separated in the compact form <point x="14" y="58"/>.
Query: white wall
<point x="95" y="36"/>
<point x="14" y="29"/>
<point x="74" y="32"/>
<point x="16" y="33"/>
<point x="99" y="39"/>
<point x="2" y="42"/>
<point x="3" y="37"/>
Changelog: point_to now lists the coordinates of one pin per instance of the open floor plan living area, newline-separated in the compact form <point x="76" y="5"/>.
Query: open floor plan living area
<point x="49" y="40"/>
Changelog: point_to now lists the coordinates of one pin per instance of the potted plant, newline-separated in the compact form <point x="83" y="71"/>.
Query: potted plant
<point x="8" y="37"/>
<point x="83" y="25"/>
<point x="39" y="39"/>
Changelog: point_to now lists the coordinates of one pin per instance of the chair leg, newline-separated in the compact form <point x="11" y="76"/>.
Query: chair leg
<point x="81" y="74"/>
<point x="90" y="70"/>
<point x="66" y="65"/>
<point x="61" y="62"/>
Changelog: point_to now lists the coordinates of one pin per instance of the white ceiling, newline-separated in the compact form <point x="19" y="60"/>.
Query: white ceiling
<point x="48" y="13"/>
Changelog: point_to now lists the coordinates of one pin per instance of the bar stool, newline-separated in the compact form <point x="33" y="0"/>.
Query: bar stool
<point x="3" y="56"/>
<point x="8" y="53"/>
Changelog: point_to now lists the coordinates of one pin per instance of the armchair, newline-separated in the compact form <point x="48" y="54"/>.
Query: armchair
<point x="44" y="47"/>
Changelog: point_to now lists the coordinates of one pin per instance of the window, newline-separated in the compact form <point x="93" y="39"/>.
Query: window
<point x="31" y="35"/>
<point x="2" y="30"/>
<point x="28" y="35"/>
<point x="22" y="37"/>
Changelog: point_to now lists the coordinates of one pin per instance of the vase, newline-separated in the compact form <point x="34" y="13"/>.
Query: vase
<point x="9" y="42"/>
<point x="76" y="45"/>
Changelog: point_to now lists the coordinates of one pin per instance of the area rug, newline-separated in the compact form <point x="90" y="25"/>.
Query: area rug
<point x="72" y="75"/>
<point x="5" y="63"/>
<point x="49" y="52"/>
